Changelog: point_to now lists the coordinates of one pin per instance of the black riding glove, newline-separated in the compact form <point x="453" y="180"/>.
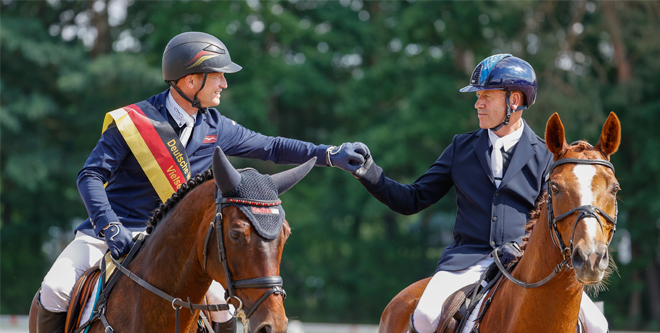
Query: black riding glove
<point x="509" y="253"/>
<point x="350" y="156"/>
<point x="118" y="238"/>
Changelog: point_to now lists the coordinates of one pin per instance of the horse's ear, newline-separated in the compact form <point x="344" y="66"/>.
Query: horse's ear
<point x="554" y="135"/>
<point x="610" y="137"/>
<point x="286" y="179"/>
<point x="226" y="177"/>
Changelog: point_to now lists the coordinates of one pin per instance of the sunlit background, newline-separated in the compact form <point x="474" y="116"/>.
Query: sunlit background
<point x="385" y="73"/>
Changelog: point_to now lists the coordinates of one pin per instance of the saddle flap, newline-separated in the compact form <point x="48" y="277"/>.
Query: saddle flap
<point x="450" y="316"/>
<point x="110" y="267"/>
<point x="82" y="291"/>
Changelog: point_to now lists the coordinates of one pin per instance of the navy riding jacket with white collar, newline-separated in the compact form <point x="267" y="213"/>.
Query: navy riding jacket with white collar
<point x="486" y="216"/>
<point x="129" y="196"/>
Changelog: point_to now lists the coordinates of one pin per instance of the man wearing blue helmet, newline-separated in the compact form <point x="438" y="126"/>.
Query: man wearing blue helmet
<point x="497" y="172"/>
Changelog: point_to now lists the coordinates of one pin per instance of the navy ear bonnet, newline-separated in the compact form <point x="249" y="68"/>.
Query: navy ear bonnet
<point x="267" y="218"/>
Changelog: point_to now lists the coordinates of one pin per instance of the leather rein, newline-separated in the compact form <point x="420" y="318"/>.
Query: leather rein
<point x="584" y="211"/>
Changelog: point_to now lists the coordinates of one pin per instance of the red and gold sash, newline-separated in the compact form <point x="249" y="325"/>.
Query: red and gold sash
<point x="155" y="145"/>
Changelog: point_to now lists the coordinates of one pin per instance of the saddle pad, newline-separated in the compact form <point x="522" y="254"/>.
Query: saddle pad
<point x="89" y="306"/>
<point x="83" y="289"/>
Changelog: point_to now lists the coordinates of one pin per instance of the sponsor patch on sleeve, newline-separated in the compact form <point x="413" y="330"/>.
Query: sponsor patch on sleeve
<point x="210" y="139"/>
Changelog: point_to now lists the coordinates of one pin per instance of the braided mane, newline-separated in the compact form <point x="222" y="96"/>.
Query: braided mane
<point x="534" y="217"/>
<point x="168" y="205"/>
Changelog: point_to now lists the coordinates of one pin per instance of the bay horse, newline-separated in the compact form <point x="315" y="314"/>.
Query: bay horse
<point x="198" y="240"/>
<point x="570" y="232"/>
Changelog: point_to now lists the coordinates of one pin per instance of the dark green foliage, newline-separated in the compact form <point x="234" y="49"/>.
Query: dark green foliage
<point x="386" y="73"/>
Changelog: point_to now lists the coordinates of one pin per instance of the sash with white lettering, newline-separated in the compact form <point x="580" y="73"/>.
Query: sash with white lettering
<point x="155" y="145"/>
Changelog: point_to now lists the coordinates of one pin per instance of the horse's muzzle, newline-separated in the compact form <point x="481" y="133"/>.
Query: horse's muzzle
<point x="589" y="264"/>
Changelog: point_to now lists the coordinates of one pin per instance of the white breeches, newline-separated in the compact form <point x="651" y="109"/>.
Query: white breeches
<point x="426" y="316"/>
<point x="82" y="253"/>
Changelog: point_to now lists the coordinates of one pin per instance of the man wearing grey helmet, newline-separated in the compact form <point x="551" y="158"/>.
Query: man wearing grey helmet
<point x="150" y="148"/>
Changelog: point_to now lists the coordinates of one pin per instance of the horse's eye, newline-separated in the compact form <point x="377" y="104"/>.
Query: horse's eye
<point x="235" y="235"/>
<point x="554" y="188"/>
<point x="615" y="189"/>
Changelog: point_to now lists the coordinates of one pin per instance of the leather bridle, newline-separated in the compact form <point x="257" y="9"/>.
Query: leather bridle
<point x="583" y="212"/>
<point x="272" y="282"/>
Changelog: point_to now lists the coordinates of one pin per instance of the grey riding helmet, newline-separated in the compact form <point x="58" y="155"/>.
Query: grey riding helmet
<point x="194" y="53"/>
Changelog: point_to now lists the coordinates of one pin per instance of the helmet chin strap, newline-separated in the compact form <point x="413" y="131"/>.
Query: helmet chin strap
<point x="194" y="102"/>
<point x="508" y="114"/>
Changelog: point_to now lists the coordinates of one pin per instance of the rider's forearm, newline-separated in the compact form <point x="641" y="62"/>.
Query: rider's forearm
<point x="92" y="192"/>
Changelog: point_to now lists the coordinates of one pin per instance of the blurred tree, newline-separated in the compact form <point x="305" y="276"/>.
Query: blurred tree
<point x="383" y="72"/>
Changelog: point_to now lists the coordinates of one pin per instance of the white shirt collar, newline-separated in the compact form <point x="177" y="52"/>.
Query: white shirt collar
<point x="180" y="116"/>
<point x="508" y="140"/>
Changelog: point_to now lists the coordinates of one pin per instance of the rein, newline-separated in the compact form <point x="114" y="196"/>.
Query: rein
<point x="583" y="212"/>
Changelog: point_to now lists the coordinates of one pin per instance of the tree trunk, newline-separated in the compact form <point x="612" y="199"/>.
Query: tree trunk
<point x="623" y="67"/>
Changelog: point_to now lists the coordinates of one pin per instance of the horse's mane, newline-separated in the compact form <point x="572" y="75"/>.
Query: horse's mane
<point x="168" y="205"/>
<point x="534" y="217"/>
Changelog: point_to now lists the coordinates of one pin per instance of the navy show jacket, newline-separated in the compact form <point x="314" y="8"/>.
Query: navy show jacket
<point x="486" y="216"/>
<point x="129" y="196"/>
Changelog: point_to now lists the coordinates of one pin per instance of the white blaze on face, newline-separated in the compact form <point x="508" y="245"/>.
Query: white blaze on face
<point x="585" y="174"/>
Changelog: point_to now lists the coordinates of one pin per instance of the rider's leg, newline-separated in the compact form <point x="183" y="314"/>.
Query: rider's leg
<point x="595" y="321"/>
<point x="427" y="314"/>
<point x="49" y="322"/>
<point x="223" y="322"/>
<point x="83" y="252"/>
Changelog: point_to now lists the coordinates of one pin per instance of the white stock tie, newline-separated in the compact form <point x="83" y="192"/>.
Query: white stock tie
<point x="496" y="161"/>
<point x="185" y="133"/>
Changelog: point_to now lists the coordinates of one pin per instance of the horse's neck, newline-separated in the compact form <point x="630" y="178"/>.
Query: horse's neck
<point x="169" y="260"/>
<point x="551" y="307"/>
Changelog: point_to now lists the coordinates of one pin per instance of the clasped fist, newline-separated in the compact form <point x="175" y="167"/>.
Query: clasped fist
<point x="119" y="239"/>
<point x="350" y="156"/>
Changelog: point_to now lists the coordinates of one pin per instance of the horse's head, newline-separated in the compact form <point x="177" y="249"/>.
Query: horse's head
<point x="582" y="192"/>
<point x="250" y="234"/>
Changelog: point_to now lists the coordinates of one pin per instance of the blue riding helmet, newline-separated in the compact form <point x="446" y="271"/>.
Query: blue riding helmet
<point x="508" y="73"/>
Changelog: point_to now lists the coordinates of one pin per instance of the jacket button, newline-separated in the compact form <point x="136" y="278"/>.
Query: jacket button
<point x="492" y="243"/>
<point x="494" y="218"/>
<point x="496" y="194"/>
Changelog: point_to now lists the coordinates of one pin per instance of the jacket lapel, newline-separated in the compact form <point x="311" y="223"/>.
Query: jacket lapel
<point x="199" y="133"/>
<point x="482" y="149"/>
<point x="521" y="154"/>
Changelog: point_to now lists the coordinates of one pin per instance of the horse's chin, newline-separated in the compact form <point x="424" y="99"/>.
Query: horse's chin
<point x="589" y="278"/>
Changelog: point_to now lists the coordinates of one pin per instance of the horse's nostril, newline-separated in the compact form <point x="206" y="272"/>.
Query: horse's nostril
<point x="265" y="329"/>
<point x="577" y="260"/>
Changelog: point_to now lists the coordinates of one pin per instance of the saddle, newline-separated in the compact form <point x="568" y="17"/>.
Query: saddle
<point x="85" y="287"/>
<point x="82" y="292"/>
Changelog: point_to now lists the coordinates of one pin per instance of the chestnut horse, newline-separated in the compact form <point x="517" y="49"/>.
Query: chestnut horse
<point x="183" y="254"/>
<point x="572" y="237"/>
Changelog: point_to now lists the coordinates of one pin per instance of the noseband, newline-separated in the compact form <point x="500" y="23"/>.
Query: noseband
<point x="272" y="282"/>
<point x="583" y="212"/>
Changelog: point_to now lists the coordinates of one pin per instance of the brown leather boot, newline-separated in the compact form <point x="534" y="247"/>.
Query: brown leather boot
<point x="49" y="322"/>
<point x="226" y="327"/>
